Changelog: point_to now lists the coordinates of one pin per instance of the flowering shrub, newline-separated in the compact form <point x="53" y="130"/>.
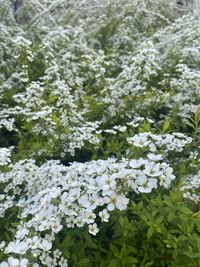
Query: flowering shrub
<point x="99" y="133"/>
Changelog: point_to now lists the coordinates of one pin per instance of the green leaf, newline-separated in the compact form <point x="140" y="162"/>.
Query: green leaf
<point x="197" y="215"/>
<point x="168" y="201"/>
<point x="150" y="263"/>
<point x="123" y="251"/>
<point x="159" y="220"/>
<point x="15" y="224"/>
<point x="185" y="210"/>
<point x="197" y="116"/>
<point x="89" y="242"/>
<point x="84" y="262"/>
<point x="166" y="125"/>
<point x="190" y="124"/>
<point x="113" y="263"/>
<point x="114" y="250"/>
<point x="131" y="260"/>
<point x="121" y="221"/>
<point x="150" y="232"/>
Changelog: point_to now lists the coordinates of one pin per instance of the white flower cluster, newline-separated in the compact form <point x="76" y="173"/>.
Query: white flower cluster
<point x="56" y="104"/>
<point x="8" y="124"/>
<point x="135" y="122"/>
<point x="13" y="262"/>
<point x="133" y="79"/>
<point x="170" y="142"/>
<point x="5" y="154"/>
<point x="46" y="118"/>
<point x="191" y="187"/>
<point x="187" y="87"/>
<point x="22" y="43"/>
<point x="45" y="259"/>
<point x="54" y="196"/>
<point x="74" y="72"/>
<point x="40" y="249"/>
<point x="138" y="76"/>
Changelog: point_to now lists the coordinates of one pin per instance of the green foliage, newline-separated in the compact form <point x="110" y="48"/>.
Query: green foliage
<point x="161" y="231"/>
<point x="194" y="123"/>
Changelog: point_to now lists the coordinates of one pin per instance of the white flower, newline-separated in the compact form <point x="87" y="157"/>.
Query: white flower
<point x="106" y="183"/>
<point x="120" y="128"/>
<point x="5" y="154"/>
<point x="111" y="201"/>
<point x="35" y="242"/>
<point x="46" y="245"/>
<point x="148" y="186"/>
<point x="152" y="169"/>
<point x="141" y="178"/>
<point x="104" y="215"/>
<point x="23" y="263"/>
<point x="115" y="201"/>
<point x="21" y="233"/>
<point x="93" y="229"/>
<point x="137" y="163"/>
<point x="13" y="262"/>
<point x="150" y="120"/>
<point x="2" y="244"/>
<point x="121" y="202"/>
<point x="140" y="140"/>
<point x="88" y="202"/>
<point x="154" y="157"/>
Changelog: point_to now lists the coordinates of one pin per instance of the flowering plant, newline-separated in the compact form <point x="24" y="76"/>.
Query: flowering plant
<point x="99" y="133"/>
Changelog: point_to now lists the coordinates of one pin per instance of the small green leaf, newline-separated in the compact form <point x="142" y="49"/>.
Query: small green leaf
<point x="113" y="263"/>
<point x="166" y="125"/>
<point x="121" y="221"/>
<point x="132" y="260"/>
<point x="123" y="251"/>
<point x="150" y="263"/>
<point x="15" y="224"/>
<point x="185" y="210"/>
<point x="114" y="250"/>
<point x="150" y="233"/>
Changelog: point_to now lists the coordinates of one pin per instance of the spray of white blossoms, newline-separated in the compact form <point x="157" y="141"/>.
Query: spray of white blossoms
<point x="94" y="99"/>
<point x="5" y="154"/>
<point x="54" y="196"/>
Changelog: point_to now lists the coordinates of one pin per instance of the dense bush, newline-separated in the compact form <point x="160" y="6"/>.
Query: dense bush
<point x="99" y="133"/>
